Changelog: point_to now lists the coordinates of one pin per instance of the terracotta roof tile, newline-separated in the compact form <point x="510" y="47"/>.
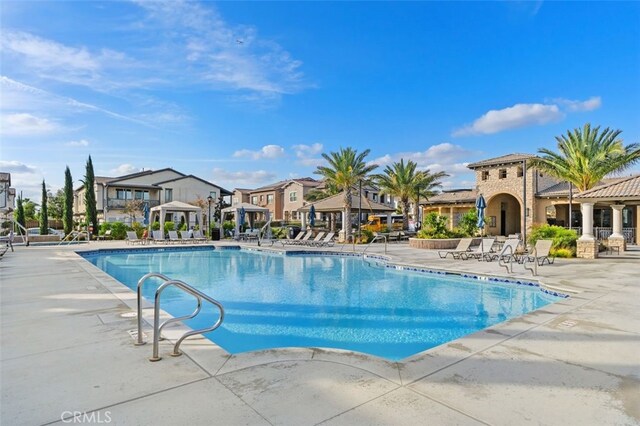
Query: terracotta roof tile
<point x="504" y="159"/>
<point x="621" y="188"/>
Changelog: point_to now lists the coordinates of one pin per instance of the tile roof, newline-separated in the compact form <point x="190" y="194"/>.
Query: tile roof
<point x="453" y="196"/>
<point x="561" y="189"/>
<point x="504" y="159"/>
<point x="280" y="184"/>
<point x="335" y="203"/>
<point x="621" y="188"/>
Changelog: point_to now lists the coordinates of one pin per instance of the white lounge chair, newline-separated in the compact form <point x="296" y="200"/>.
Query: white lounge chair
<point x="198" y="237"/>
<point x="185" y="238"/>
<point x="508" y="251"/>
<point x="315" y="240"/>
<point x="484" y="249"/>
<point x="173" y="237"/>
<point x="298" y="239"/>
<point x="327" y="241"/>
<point x="463" y="247"/>
<point x="158" y="237"/>
<point x="540" y="253"/>
<point x="132" y="238"/>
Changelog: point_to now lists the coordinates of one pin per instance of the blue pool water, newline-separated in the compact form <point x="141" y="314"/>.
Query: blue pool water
<point x="275" y="300"/>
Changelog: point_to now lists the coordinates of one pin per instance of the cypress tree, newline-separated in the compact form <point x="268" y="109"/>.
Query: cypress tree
<point x="91" y="212"/>
<point x="67" y="210"/>
<point x="44" y="215"/>
<point x="20" y="213"/>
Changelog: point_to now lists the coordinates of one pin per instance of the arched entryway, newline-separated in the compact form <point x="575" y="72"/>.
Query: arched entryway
<point x="504" y="215"/>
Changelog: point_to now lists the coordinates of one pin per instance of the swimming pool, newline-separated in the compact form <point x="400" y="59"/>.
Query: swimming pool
<point x="276" y="300"/>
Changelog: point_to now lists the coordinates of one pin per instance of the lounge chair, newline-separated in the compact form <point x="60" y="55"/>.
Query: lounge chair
<point x="158" y="237"/>
<point x="198" y="237"/>
<point x="105" y="236"/>
<point x="508" y="251"/>
<point x="540" y="253"/>
<point x="315" y="240"/>
<point x="132" y="238"/>
<point x="300" y="238"/>
<point x="185" y="238"/>
<point x="463" y="247"/>
<point x="173" y="237"/>
<point x="326" y="241"/>
<point x="483" y="249"/>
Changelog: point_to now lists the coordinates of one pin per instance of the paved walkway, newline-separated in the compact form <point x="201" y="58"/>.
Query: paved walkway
<point x="65" y="349"/>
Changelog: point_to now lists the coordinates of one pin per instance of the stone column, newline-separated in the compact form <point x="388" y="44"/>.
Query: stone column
<point x="587" y="246"/>
<point x="303" y="220"/>
<point x="616" y="239"/>
<point x="451" y="218"/>
<point x="389" y="221"/>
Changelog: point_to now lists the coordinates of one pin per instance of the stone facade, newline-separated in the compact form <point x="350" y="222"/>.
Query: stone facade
<point x="587" y="249"/>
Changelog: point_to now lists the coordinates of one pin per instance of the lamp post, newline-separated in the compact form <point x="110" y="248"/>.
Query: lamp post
<point x="360" y="211"/>
<point x="209" y="200"/>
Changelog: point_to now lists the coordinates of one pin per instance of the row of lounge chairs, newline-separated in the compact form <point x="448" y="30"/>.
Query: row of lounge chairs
<point x="302" y="239"/>
<point x="174" y="238"/>
<point x="540" y="253"/>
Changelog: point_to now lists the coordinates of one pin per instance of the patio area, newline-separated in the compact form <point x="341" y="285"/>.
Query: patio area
<point x="67" y="352"/>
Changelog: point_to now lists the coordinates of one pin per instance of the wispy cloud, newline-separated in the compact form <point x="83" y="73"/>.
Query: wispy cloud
<point x="17" y="167"/>
<point x="81" y="142"/>
<point x="519" y="115"/>
<point x="124" y="169"/>
<point x="24" y="124"/>
<point x="590" y="104"/>
<point x="235" y="179"/>
<point x="266" y="152"/>
<point x="525" y="115"/>
<point x="307" y="155"/>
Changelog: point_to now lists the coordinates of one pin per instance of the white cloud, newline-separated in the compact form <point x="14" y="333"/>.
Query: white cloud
<point x="241" y="178"/>
<point x="124" y="169"/>
<point x="306" y="154"/>
<point x="81" y="142"/>
<point x="590" y="104"/>
<point x="266" y="152"/>
<point x="519" y="115"/>
<point x="24" y="124"/>
<point x="17" y="167"/>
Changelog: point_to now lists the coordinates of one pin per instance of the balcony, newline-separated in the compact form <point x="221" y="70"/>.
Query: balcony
<point x="117" y="203"/>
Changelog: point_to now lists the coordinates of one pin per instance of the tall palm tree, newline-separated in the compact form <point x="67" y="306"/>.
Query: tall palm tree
<point x="427" y="187"/>
<point x="344" y="170"/>
<point x="407" y="183"/>
<point x="586" y="156"/>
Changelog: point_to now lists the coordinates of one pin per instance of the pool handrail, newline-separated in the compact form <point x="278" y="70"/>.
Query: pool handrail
<point x="373" y="240"/>
<point x="157" y="327"/>
<point x="533" y="255"/>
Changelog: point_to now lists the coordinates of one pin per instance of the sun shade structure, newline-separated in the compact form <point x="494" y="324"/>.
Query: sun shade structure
<point x="175" y="207"/>
<point x="236" y="209"/>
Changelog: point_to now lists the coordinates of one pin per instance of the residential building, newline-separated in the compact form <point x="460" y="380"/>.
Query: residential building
<point x="152" y="187"/>
<point x="7" y="194"/>
<point x="518" y="197"/>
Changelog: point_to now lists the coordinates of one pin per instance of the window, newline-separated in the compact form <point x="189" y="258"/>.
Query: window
<point x="293" y="196"/>
<point x="502" y="174"/>
<point x="214" y="195"/>
<point x="168" y="195"/>
<point x="375" y="197"/>
<point x="123" y="194"/>
<point x="262" y="198"/>
<point x="520" y="172"/>
<point x="269" y="198"/>
<point x="254" y="200"/>
<point x="294" y="215"/>
<point x="235" y="200"/>
<point x="141" y="195"/>
<point x="485" y="174"/>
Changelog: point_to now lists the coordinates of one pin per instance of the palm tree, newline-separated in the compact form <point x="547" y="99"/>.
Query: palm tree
<point x="346" y="168"/>
<point x="586" y="156"/>
<point x="427" y="187"/>
<point x="407" y="183"/>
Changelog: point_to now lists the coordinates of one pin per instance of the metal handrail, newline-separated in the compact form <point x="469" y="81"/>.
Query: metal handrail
<point x="262" y="231"/>
<point x="508" y="265"/>
<point x="353" y="239"/>
<point x="374" y="239"/>
<point x="157" y="327"/>
<point x="534" y="269"/>
<point x="76" y="235"/>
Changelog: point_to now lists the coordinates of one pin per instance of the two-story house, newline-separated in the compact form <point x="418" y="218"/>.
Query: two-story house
<point x="7" y="194"/>
<point x="152" y="187"/>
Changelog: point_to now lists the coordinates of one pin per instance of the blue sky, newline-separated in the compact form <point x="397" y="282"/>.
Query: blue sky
<point x="246" y="93"/>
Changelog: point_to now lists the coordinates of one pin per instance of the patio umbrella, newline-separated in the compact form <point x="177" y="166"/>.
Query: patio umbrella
<point x="241" y="217"/>
<point x="312" y="216"/>
<point x="145" y="212"/>
<point x="481" y="204"/>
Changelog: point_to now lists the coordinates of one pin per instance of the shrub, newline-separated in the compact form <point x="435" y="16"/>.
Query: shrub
<point x="562" y="238"/>
<point x="366" y="236"/>
<point x="434" y="226"/>
<point x="279" y="232"/>
<point x="118" y="230"/>
<point x="562" y="252"/>
<point x="169" y="226"/>
<point x="104" y="227"/>
<point x="468" y="225"/>
<point x="138" y="228"/>
<point x="155" y="226"/>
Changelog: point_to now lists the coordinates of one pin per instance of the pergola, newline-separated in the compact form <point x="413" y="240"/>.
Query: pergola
<point x="335" y="204"/>
<point x="248" y="208"/>
<point x="175" y="207"/>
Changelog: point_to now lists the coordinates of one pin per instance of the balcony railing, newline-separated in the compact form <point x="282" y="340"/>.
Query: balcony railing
<point x="602" y="233"/>
<point x="118" y="203"/>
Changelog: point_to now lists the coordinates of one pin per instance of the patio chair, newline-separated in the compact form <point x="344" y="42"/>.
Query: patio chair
<point x="105" y="236"/>
<point x="540" y="253"/>
<point x="483" y="249"/>
<point x="298" y="239"/>
<point x="132" y="238"/>
<point x="173" y="237"/>
<point x="393" y="236"/>
<point x="198" y="237"/>
<point x="508" y="251"/>
<point x="158" y="237"/>
<point x="315" y="240"/>
<point x="185" y="238"/>
<point x="463" y="247"/>
<point x="326" y="241"/>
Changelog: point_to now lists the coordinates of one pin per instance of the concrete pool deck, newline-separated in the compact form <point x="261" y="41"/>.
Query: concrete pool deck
<point x="66" y="349"/>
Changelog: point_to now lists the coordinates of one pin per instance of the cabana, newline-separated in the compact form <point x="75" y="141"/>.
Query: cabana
<point x="248" y="208"/>
<point x="175" y="207"/>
